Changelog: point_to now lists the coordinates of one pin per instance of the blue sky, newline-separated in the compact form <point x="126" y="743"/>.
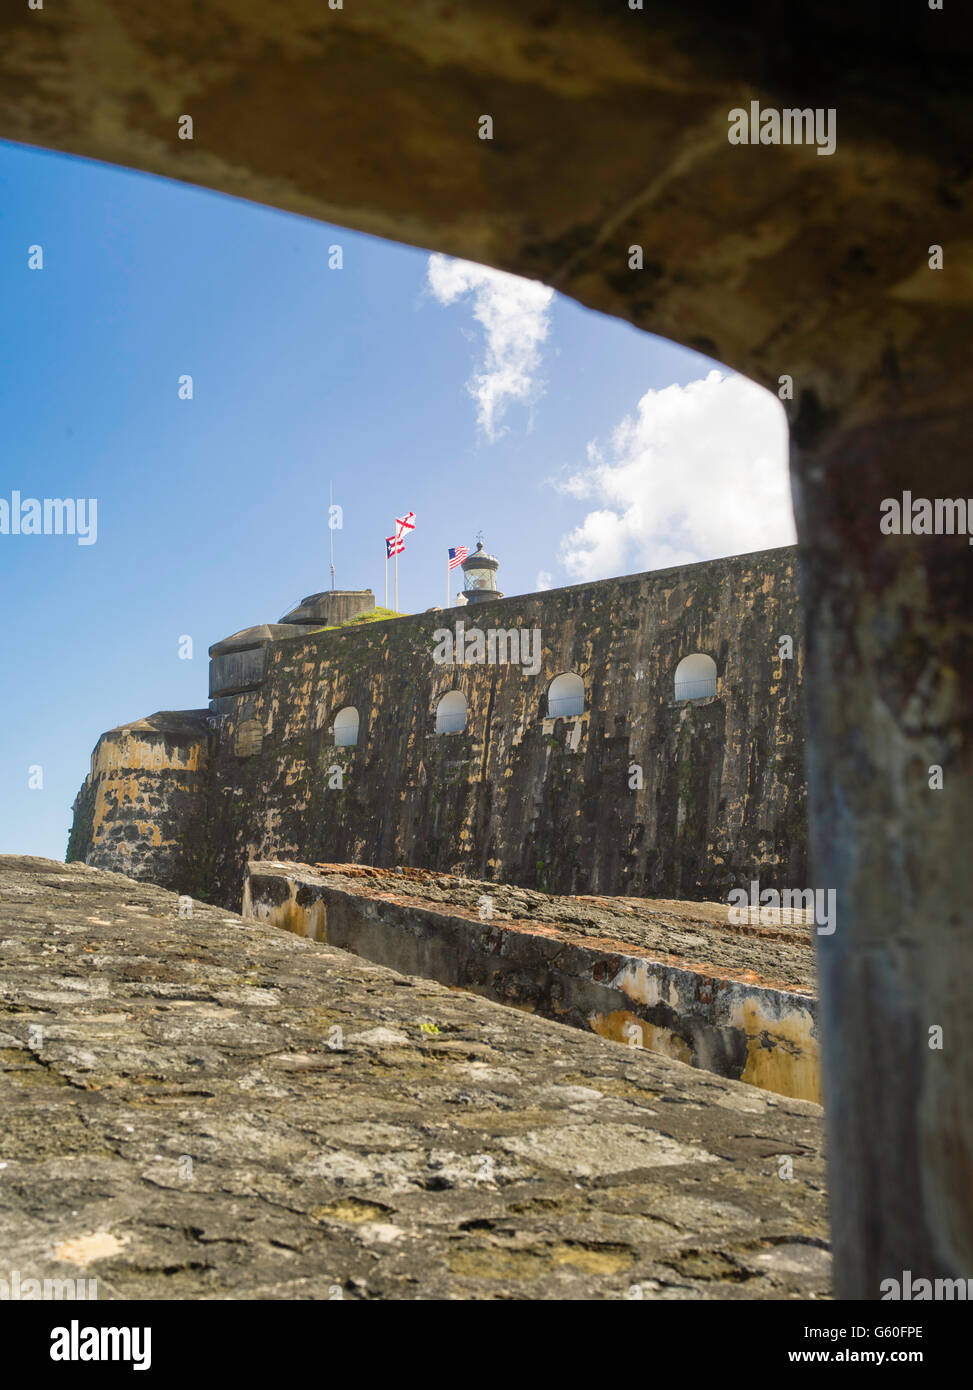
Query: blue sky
<point x="212" y="513"/>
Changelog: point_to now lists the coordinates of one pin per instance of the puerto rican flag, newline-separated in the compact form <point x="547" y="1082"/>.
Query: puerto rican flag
<point x="394" y="545"/>
<point x="457" y="554"/>
<point x="404" y="523"/>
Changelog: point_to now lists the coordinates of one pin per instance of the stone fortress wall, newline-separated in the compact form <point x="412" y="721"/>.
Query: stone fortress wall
<point x="640" y="793"/>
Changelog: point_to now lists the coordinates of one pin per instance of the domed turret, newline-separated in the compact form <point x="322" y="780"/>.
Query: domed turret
<point x="331" y="607"/>
<point x="480" y="576"/>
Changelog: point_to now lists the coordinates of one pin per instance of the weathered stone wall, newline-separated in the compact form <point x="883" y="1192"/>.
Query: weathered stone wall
<point x="517" y="797"/>
<point x="236" y="671"/>
<point x="675" y="978"/>
<point x="142" y="808"/>
<point x="522" y="798"/>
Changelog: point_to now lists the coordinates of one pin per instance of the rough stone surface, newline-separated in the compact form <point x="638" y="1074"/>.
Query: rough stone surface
<point x="695" y="935"/>
<point x="676" y="978"/>
<point x="447" y="1148"/>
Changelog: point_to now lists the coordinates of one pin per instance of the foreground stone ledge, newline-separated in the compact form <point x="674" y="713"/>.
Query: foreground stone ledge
<point x="674" y="977"/>
<point x="446" y="1148"/>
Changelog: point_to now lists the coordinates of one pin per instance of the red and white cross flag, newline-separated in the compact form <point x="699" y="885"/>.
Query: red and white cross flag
<point x="395" y="545"/>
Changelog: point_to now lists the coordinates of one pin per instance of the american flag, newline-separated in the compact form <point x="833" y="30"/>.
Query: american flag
<point x="394" y="545"/>
<point x="457" y="554"/>
<point x="405" y="523"/>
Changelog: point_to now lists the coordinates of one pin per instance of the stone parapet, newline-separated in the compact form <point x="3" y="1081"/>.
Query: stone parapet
<point x="672" y="977"/>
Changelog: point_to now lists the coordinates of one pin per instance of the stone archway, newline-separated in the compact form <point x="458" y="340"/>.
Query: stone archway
<point x="610" y="176"/>
<point x="451" y="713"/>
<point x="695" y="677"/>
<point x="565" y="696"/>
<point x="346" y="727"/>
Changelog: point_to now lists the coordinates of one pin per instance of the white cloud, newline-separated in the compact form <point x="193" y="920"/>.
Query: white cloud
<point x="545" y="580"/>
<point x="514" y="315"/>
<point x="699" y="472"/>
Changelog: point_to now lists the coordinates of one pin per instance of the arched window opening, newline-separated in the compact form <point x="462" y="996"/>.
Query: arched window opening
<point x="696" y="677"/>
<point x="451" y="713"/>
<point x="565" y="696"/>
<point x="346" y="727"/>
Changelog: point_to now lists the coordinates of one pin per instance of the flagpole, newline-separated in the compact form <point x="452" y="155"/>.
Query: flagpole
<point x="447" y="578"/>
<point x="331" y="528"/>
<point x="386" y="575"/>
<point x="396" y="577"/>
